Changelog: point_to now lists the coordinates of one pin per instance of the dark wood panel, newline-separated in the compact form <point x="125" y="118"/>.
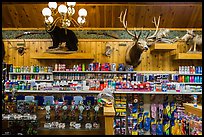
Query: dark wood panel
<point x="173" y="15"/>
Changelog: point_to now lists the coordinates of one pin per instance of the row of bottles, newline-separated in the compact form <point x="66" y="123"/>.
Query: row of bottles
<point x="190" y="69"/>
<point x="34" y="68"/>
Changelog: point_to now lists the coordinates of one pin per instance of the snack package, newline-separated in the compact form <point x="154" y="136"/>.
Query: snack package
<point x="160" y="111"/>
<point x="159" y="128"/>
<point x="166" y="112"/>
<point x="147" y="121"/>
<point x="153" y="111"/>
<point x="173" y="110"/>
<point x="140" y="120"/>
<point x="166" y="128"/>
<point x="153" y="127"/>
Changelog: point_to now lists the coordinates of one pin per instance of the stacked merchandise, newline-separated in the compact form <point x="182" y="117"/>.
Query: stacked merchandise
<point x="70" y="112"/>
<point x="4" y="75"/>
<point x="164" y="117"/>
<point x="63" y="79"/>
<point x="21" y="116"/>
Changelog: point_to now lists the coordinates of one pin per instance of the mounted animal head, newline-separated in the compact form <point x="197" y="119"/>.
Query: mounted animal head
<point x="133" y="52"/>
<point x="189" y="35"/>
<point x="194" y="40"/>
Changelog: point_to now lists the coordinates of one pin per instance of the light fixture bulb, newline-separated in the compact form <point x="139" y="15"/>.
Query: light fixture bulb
<point x="62" y="9"/>
<point x="52" y="5"/>
<point x="50" y="19"/>
<point x="82" y="12"/>
<point x="46" y="12"/>
<point x="70" y="11"/>
<point x="81" y="20"/>
<point x="72" y="4"/>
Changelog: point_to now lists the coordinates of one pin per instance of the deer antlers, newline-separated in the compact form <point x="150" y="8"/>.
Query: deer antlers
<point x="124" y="22"/>
<point x="156" y="23"/>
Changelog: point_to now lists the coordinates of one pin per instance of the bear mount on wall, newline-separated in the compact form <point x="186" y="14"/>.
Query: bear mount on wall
<point x="60" y="35"/>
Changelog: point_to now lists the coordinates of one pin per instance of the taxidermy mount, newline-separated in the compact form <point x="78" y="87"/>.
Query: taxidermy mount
<point x="60" y="35"/>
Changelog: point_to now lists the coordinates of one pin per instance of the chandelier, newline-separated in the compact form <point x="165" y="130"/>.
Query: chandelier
<point x="66" y="12"/>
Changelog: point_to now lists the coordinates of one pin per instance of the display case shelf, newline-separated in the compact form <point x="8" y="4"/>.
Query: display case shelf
<point x="188" y="56"/>
<point x="156" y="92"/>
<point x="191" y="83"/>
<point x="64" y="56"/>
<point x="190" y="74"/>
<point x="56" y="91"/>
<point x="163" y="47"/>
<point x="120" y="72"/>
<point x="115" y="92"/>
<point x="19" y="73"/>
<point x="49" y="80"/>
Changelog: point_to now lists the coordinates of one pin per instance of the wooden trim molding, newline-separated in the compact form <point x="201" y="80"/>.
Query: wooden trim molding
<point x="178" y="29"/>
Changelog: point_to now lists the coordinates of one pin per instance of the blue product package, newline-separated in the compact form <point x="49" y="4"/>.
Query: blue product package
<point x="89" y="98"/>
<point x="200" y="69"/>
<point x="77" y="99"/>
<point x="159" y="129"/>
<point x="20" y="97"/>
<point x="153" y="127"/>
<point x="48" y="100"/>
<point x="68" y="99"/>
<point x="200" y="79"/>
<point x="29" y="98"/>
<point x="147" y="121"/>
<point x="140" y="119"/>
<point x="40" y="100"/>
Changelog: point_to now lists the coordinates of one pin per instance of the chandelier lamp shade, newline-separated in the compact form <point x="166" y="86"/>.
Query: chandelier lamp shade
<point x="66" y="12"/>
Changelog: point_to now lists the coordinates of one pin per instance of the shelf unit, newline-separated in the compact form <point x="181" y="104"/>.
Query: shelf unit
<point x="120" y="72"/>
<point x="190" y="74"/>
<point x="64" y="56"/>
<point x="44" y="80"/>
<point x="163" y="47"/>
<point x="19" y="73"/>
<point x="32" y="73"/>
<point x="191" y="83"/>
<point x="114" y="92"/>
<point x="188" y="56"/>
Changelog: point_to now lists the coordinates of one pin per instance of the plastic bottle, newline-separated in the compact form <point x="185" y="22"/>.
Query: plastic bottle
<point x="11" y="68"/>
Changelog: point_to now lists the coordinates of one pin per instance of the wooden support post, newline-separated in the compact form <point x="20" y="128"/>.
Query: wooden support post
<point x="109" y="114"/>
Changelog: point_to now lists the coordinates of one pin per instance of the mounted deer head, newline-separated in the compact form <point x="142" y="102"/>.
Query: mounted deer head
<point x="133" y="52"/>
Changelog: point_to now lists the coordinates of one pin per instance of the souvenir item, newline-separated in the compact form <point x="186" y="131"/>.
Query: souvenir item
<point x="72" y="122"/>
<point x="81" y="109"/>
<point x="64" y="114"/>
<point x="57" y="109"/>
<point x="47" y="116"/>
<point x="78" y="102"/>
<point x="96" y="124"/>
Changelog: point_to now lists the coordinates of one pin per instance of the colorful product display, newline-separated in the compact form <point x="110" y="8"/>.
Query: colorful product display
<point x="164" y="118"/>
<point x="190" y="69"/>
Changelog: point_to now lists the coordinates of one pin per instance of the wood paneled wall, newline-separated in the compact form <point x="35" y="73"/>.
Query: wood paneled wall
<point x="103" y="15"/>
<point x="154" y="61"/>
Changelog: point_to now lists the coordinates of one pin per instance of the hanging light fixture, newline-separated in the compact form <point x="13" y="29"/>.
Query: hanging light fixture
<point x="66" y="12"/>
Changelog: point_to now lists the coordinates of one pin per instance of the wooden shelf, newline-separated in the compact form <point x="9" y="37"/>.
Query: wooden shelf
<point x="187" y="56"/>
<point x="65" y="56"/>
<point x="189" y="108"/>
<point x="163" y="47"/>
